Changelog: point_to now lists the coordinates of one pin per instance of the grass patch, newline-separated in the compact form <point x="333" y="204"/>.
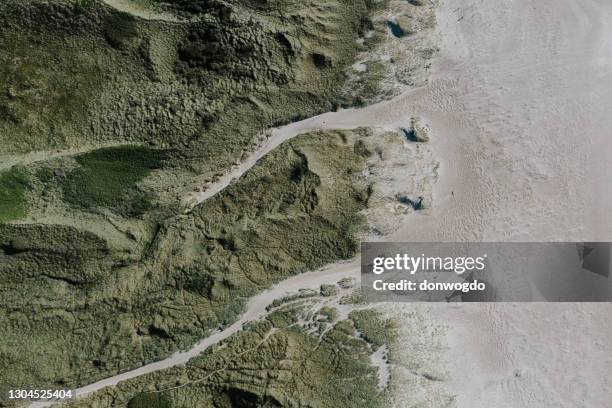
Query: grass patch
<point x="107" y="178"/>
<point x="250" y="369"/>
<point x="150" y="400"/>
<point x="13" y="184"/>
<point x="374" y="328"/>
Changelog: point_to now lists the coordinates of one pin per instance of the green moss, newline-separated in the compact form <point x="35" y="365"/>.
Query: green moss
<point x="284" y="317"/>
<point x="327" y="314"/>
<point x="107" y="178"/>
<point x="120" y="29"/>
<point x="355" y="297"/>
<point x="328" y="290"/>
<point x="47" y="81"/>
<point x="13" y="184"/>
<point x="44" y="174"/>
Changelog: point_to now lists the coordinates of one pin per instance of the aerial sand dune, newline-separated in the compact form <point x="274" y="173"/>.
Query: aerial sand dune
<point x="519" y="109"/>
<point x="518" y="106"/>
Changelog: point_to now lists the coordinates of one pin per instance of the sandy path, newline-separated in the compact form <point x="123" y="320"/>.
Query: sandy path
<point x="256" y="309"/>
<point x="9" y="160"/>
<point x="391" y="114"/>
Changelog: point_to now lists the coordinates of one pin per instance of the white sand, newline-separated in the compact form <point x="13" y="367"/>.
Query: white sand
<point x="521" y="102"/>
<point x="523" y="92"/>
<point x="527" y="355"/>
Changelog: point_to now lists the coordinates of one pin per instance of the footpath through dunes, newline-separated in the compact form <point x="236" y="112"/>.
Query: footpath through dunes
<point x="297" y="210"/>
<point x="255" y="310"/>
<point x="388" y="115"/>
<point x="517" y="107"/>
<point x="94" y="256"/>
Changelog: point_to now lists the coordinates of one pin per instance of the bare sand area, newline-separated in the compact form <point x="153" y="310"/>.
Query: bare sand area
<point x="523" y="130"/>
<point x="526" y="355"/>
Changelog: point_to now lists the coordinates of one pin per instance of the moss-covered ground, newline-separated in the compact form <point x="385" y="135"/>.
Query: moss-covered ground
<point x="13" y="184"/>
<point x="108" y="177"/>
<point x="79" y="76"/>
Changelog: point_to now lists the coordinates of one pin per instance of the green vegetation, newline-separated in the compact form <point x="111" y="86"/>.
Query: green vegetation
<point x="13" y="184"/>
<point x="268" y="364"/>
<point x="302" y="294"/>
<point x="46" y="81"/>
<point x="373" y="327"/>
<point x="149" y="400"/>
<point x="91" y="292"/>
<point x="78" y="75"/>
<point x="107" y="178"/>
<point x="296" y="210"/>
<point x="45" y="174"/>
<point x="328" y="290"/>
<point x="76" y="72"/>
<point x="327" y="314"/>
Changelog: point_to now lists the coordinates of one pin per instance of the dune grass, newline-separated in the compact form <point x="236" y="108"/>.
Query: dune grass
<point x="107" y="178"/>
<point x="13" y="184"/>
<point x="149" y="400"/>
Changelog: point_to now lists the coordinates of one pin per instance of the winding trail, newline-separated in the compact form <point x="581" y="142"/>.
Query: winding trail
<point x="9" y="160"/>
<point x="255" y="309"/>
<point x="388" y="114"/>
<point x="518" y="106"/>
